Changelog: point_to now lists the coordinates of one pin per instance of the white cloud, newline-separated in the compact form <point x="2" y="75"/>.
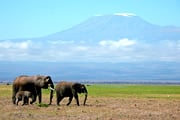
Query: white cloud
<point x="15" y="45"/>
<point x="24" y="45"/>
<point x="5" y="44"/>
<point x="82" y="48"/>
<point x="105" y="50"/>
<point x="117" y="44"/>
<point x="15" y="50"/>
<point x="98" y="15"/>
<point x="56" y="42"/>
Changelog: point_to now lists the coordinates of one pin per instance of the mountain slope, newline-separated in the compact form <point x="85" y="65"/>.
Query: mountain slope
<point x="115" y="27"/>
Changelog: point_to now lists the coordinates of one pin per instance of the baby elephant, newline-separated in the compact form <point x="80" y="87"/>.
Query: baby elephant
<point x="70" y="89"/>
<point x="24" y="96"/>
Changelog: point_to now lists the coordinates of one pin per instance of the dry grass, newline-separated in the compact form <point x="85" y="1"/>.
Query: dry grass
<point x="97" y="108"/>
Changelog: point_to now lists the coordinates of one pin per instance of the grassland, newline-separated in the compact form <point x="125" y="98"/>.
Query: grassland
<point x="135" y="91"/>
<point x="105" y="101"/>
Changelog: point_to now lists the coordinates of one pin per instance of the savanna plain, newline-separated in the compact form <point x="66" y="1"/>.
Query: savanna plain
<point x="105" y="102"/>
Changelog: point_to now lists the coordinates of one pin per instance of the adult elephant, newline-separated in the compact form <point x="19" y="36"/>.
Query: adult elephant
<point x="34" y="85"/>
<point x="70" y="89"/>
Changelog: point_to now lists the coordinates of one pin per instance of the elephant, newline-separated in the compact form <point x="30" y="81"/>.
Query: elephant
<point x="70" y="89"/>
<point x="24" y="96"/>
<point x="32" y="84"/>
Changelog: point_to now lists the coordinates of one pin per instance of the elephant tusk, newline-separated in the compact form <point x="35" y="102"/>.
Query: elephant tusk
<point x="51" y="88"/>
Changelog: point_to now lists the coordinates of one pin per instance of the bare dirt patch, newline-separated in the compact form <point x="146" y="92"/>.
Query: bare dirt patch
<point x="97" y="108"/>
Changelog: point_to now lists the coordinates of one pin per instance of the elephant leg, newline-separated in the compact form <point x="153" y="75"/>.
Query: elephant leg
<point x="59" y="100"/>
<point x="70" y="99"/>
<point x="17" y="101"/>
<point x="33" y="98"/>
<point x="77" y="99"/>
<point x="27" y="102"/>
<point x="39" y="93"/>
<point x="23" y="104"/>
<point x="24" y="100"/>
<point x="40" y="97"/>
<point x="14" y="100"/>
<point x="14" y="91"/>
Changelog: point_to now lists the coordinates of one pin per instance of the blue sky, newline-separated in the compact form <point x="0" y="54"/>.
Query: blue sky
<point x="36" y="18"/>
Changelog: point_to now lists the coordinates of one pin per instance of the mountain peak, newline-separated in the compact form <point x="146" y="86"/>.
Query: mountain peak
<point x="125" y="14"/>
<point x="120" y="14"/>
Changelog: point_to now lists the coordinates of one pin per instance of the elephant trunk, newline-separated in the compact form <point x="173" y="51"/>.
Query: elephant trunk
<point x="51" y="93"/>
<point x="51" y="85"/>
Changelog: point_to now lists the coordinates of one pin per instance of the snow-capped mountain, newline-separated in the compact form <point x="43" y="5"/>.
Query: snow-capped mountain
<point x="110" y="38"/>
<point x="115" y="27"/>
<point x="104" y="47"/>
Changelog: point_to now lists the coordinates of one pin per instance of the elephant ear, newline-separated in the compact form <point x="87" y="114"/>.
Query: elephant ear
<point x="83" y="89"/>
<point x="39" y="81"/>
<point x="77" y="87"/>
